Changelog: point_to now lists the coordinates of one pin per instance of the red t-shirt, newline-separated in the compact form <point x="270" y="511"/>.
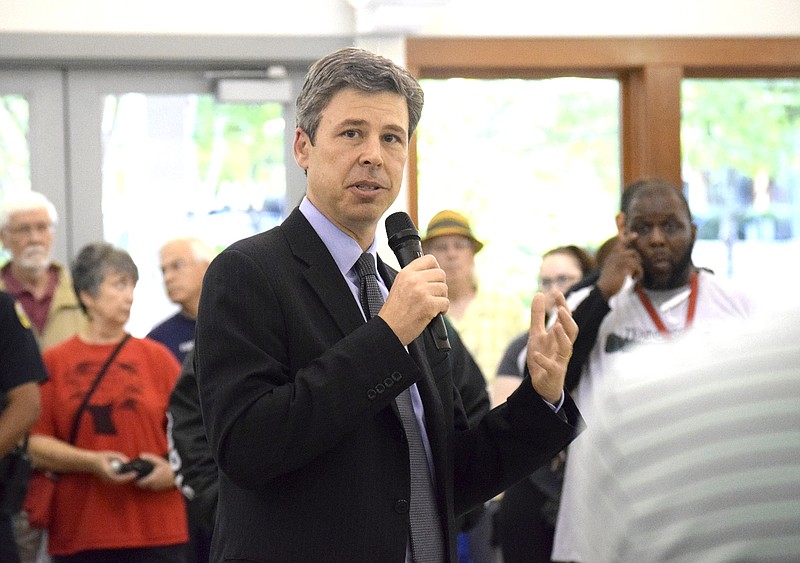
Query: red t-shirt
<point x="126" y="413"/>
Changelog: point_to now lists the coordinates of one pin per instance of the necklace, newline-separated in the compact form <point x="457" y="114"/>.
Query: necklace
<point x="651" y="310"/>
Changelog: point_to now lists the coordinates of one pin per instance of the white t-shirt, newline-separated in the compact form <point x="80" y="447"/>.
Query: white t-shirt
<point x="626" y="325"/>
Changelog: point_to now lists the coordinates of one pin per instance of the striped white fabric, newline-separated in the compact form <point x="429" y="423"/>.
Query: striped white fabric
<point x="694" y="450"/>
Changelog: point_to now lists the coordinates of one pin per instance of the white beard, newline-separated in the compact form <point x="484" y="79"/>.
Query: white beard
<point x="34" y="258"/>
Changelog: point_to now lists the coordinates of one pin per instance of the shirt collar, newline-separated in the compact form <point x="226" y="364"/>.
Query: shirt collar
<point x="15" y="287"/>
<point x="344" y="249"/>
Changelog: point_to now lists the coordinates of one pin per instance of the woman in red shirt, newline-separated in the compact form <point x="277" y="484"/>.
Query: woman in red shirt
<point x="102" y="512"/>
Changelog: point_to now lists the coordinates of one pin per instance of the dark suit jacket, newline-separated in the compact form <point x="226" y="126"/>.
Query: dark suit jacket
<point x="297" y="396"/>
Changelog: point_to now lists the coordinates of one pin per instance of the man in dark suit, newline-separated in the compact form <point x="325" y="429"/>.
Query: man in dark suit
<point x="298" y="390"/>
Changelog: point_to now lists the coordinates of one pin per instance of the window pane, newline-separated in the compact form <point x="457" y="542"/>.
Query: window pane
<point x="15" y="156"/>
<point x="533" y="163"/>
<point x="178" y="165"/>
<point x="741" y="167"/>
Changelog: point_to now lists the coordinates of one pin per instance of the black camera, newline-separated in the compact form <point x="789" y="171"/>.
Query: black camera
<point x="142" y="467"/>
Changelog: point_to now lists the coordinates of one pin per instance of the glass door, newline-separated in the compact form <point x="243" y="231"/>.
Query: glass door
<point x="32" y="149"/>
<point x="740" y="141"/>
<point x="155" y="155"/>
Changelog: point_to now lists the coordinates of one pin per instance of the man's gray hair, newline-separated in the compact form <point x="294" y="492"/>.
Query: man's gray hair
<point x="359" y="69"/>
<point x="201" y="251"/>
<point x="25" y="200"/>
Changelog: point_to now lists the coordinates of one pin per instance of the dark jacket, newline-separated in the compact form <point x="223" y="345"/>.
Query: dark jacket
<point x="297" y="392"/>
<point x="195" y="470"/>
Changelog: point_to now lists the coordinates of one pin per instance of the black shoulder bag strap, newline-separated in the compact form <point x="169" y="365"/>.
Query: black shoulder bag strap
<point x="76" y="422"/>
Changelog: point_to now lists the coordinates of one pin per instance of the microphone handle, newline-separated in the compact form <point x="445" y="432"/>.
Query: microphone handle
<point x="438" y="331"/>
<point x="407" y="253"/>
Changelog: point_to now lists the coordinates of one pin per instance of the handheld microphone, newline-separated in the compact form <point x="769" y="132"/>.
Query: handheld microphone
<point x="405" y="243"/>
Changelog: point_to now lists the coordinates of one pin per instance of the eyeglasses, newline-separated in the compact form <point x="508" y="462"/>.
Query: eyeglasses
<point x="28" y="229"/>
<point x="561" y="282"/>
<point x="459" y="243"/>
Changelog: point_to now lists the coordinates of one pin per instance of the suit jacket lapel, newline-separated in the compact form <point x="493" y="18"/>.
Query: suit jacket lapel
<point x="322" y="273"/>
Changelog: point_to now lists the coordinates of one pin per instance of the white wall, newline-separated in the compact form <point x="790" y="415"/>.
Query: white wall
<point x="422" y="17"/>
<point x="630" y="18"/>
<point x="201" y="17"/>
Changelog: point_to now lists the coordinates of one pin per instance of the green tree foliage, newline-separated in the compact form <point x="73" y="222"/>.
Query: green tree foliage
<point x="236" y="143"/>
<point x="14" y="151"/>
<point x="534" y="164"/>
<point x="748" y="125"/>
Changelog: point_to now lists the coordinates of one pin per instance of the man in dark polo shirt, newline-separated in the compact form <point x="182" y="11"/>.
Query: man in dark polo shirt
<point x="21" y="371"/>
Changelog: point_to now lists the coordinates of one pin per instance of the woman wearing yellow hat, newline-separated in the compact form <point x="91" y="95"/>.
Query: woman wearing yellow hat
<point x="486" y="320"/>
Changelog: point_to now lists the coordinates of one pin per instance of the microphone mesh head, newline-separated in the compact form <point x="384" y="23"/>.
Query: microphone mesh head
<point x="397" y="222"/>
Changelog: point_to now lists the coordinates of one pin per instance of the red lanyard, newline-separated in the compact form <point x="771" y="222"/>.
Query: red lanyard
<point x="662" y="328"/>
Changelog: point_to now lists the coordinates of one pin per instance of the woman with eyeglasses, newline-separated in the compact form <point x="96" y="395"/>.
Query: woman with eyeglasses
<point x="525" y="520"/>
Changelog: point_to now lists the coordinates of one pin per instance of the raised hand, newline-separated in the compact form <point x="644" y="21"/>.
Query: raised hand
<point x="622" y="261"/>
<point x="549" y="351"/>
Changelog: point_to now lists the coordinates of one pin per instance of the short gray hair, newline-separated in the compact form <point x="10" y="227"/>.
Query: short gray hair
<point x="25" y="200"/>
<point x="94" y="262"/>
<point x="201" y="251"/>
<point x="354" y="68"/>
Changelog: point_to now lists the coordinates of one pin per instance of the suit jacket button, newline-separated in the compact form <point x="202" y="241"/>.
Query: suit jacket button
<point x="380" y="388"/>
<point x="371" y="394"/>
<point x="396" y="376"/>
<point x="401" y="506"/>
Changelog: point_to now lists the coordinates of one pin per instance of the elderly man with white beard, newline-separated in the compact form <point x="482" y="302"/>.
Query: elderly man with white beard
<point x="44" y="290"/>
<point x="43" y="287"/>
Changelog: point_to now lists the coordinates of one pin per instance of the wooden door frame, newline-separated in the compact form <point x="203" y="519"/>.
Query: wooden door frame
<point x="650" y="71"/>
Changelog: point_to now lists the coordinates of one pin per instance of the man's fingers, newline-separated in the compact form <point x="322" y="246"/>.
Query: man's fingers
<point x="627" y="238"/>
<point x="538" y="314"/>
<point x="547" y="364"/>
<point x="424" y="262"/>
<point x="564" y="341"/>
<point x="567" y="324"/>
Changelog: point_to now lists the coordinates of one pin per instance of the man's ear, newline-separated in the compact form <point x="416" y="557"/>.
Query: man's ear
<point x="620" y="219"/>
<point x="302" y="147"/>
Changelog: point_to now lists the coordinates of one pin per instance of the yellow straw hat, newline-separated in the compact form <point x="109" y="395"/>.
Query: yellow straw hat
<point x="449" y="222"/>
